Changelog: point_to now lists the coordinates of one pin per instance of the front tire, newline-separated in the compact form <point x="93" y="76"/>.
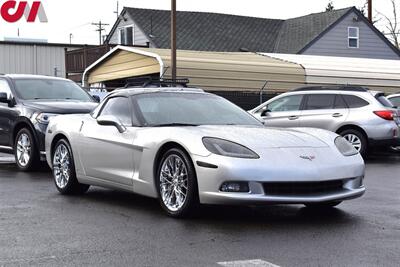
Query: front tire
<point x="26" y="151"/>
<point x="357" y="139"/>
<point x="64" y="170"/>
<point x="177" y="184"/>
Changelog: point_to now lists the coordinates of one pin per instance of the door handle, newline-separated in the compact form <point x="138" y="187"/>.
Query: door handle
<point x="337" y="115"/>
<point x="292" y="118"/>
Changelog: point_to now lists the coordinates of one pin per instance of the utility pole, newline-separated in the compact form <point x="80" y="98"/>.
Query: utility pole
<point x="117" y="11"/>
<point x="70" y="38"/>
<point x="173" y="39"/>
<point x="370" y="11"/>
<point x="100" y="29"/>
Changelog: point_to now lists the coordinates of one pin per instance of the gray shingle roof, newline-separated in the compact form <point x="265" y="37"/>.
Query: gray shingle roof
<point x="208" y="31"/>
<point x="220" y="32"/>
<point x="296" y="33"/>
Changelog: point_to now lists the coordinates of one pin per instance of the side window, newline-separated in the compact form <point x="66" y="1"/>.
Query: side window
<point x="395" y="101"/>
<point x="287" y="103"/>
<point x="322" y="101"/>
<point x="354" y="101"/>
<point x="339" y="102"/>
<point x="119" y="107"/>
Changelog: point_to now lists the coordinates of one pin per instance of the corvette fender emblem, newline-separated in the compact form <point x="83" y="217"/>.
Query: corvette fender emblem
<point x="310" y="158"/>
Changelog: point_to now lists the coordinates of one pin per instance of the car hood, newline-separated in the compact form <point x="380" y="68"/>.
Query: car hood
<point x="62" y="107"/>
<point x="262" y="137"/>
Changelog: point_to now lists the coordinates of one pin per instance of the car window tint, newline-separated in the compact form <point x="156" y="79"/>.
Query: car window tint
<point x="120" y="108"/>
<point x="322" y="101"/>
<point x="339" y="102"/>
<point x="395" y="101"/>
<point x="287" y="103"/>
<point x="354" y="101"/>
<point x="384" y="101"/>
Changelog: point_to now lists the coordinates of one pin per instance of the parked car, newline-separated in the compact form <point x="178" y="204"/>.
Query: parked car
<point x="27" y="103"/>
<point x="364" y="118"/>
<point x="185" y="147"/>
<point x="395" y="99"/>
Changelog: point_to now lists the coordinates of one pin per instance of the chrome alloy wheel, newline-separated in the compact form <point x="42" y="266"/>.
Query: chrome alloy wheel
<point x="61" y="166"/>
<point x="354" y="140"/>
<point x="174" y="183"/>
<point x="24" y="149"/>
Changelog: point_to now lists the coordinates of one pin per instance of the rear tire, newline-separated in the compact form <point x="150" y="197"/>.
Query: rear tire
<point x="64" y="170"/>
<point x="357" y="139"/>
<point x="324" y="205"/>
<point x="26" y="151"/>
<point x="176" y="184"/>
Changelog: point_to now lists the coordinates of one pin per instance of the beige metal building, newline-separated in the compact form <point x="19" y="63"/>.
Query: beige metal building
<point x="377" y="74"/>
<point x="212" y="71"/>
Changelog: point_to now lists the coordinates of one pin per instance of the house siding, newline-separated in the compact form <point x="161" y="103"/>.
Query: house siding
<point x="139" y="37"/>
<point x="335" y="42"/>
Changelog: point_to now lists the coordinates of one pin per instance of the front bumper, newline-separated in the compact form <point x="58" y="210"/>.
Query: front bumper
<point x="40" y="133"/>
<point x="257" y="173"/>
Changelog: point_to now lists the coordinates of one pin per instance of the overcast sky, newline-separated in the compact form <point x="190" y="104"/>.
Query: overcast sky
<point x="75" y="16"/>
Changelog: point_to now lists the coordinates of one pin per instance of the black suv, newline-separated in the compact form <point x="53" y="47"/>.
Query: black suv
<point x="27" y="103"/>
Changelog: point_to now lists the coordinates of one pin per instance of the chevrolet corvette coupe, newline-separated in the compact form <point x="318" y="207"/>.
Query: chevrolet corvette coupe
<point x="187" y="147"/>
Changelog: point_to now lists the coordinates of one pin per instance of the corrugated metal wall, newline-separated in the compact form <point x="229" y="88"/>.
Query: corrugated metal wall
<point x="212" y="71"/>
<point x="376" y="74"/>
<point x="32" y="59"/>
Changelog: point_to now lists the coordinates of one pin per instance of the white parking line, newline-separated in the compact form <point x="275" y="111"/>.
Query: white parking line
<point x="247" y="263"/>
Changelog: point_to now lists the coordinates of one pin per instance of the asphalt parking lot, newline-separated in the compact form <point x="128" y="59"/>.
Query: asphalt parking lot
<point x="38" y="226"/>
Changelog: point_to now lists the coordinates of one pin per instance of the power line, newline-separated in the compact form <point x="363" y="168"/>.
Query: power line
<point x="100" y="29"/>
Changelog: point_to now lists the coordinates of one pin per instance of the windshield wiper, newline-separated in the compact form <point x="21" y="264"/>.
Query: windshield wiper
<point x="174" y="124"/>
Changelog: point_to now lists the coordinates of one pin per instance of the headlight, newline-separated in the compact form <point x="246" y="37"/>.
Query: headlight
<point x="44" y="118"/>
<point x="345" y="147"/>
<point x="228" y="148"/>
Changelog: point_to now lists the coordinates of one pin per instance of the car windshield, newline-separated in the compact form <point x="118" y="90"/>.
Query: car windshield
<point x="44" y="89"/>
<point x="165" y="108"/>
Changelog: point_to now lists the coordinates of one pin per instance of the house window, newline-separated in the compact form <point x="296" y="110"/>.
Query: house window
<point x="354" y="37"/>
<point x="126" y="35"/>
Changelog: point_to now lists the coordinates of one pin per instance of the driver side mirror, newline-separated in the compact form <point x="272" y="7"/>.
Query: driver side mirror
<point x="4" y="98"/>
<point x="265" y="112"/>
<point x="108" y="120"/>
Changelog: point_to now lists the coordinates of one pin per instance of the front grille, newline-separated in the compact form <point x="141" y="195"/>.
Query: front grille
<point x="302" y="188"/>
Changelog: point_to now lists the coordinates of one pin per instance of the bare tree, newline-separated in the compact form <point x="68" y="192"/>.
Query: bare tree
<point x="330" y="7"/>
<point x="392" y="25"/>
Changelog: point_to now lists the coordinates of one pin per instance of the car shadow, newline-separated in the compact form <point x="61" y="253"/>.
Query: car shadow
<point x="132" y="206"/>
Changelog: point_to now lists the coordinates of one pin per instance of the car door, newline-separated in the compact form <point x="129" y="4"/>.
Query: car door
<point x="6" y="116"/>
<point x="283" y="112"/>
<point x="105" y="152"/>
<point x="324" y="111"/>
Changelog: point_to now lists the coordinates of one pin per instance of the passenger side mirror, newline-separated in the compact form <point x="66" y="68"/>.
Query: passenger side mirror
<point x="108" y="120"/>
<point x="96" y="98"/>
<point x="4" y="98"/>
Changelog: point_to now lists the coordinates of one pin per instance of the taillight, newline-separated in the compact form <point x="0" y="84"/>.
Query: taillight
<point x="385" y="114"/>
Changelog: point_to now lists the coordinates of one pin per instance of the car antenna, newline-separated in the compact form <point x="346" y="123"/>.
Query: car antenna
<point x="262" y="91"/>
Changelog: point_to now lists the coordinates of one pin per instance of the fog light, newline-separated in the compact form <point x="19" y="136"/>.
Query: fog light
<point x="237" y="187"/>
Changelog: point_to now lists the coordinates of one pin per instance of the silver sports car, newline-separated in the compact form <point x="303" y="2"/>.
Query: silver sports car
<point x="186" y="147"/>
